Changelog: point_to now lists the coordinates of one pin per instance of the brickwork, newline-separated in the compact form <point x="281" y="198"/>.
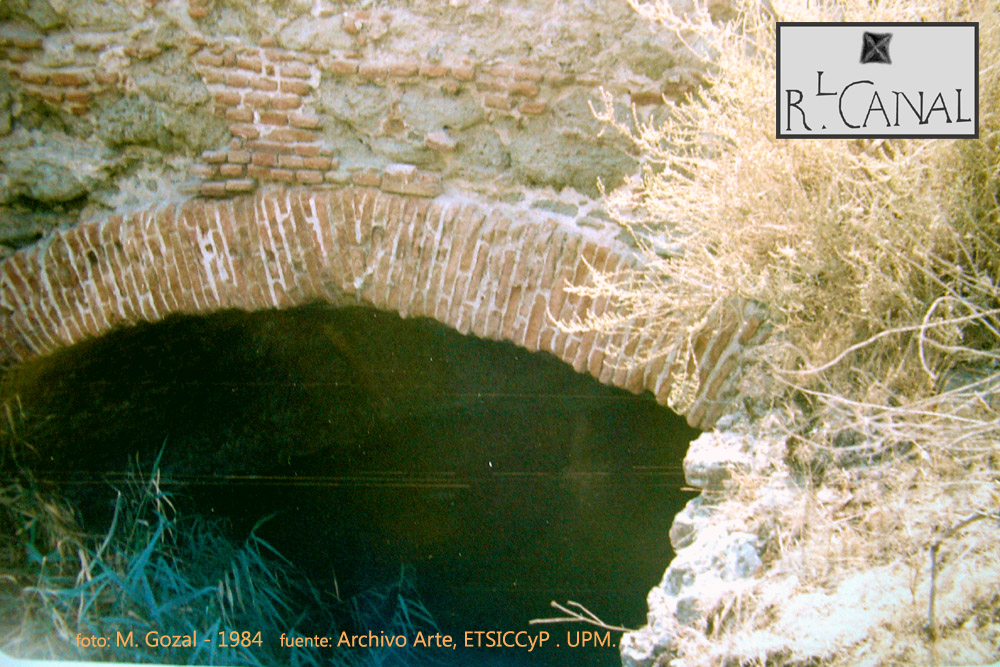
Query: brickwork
<point x="267" y="95"/>
<point x="472" y="267"/>
<point x="288" y="210"/>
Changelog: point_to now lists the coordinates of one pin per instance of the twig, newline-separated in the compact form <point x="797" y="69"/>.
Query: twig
<point x="972" y="518"/>
<point x="582" y="616"/>
<point x="888" y="332"/>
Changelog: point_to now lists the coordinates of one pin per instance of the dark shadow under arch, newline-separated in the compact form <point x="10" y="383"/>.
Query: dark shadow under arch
<point x="505" y="478"/>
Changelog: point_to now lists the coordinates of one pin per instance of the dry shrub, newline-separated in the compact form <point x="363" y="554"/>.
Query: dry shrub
<point x="879" y="265"/>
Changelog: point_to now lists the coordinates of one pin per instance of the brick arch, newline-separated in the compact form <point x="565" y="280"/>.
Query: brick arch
<point x="478" y="269"/>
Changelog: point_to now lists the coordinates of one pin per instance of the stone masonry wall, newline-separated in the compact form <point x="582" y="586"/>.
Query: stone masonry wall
<point x="108" y="105"/>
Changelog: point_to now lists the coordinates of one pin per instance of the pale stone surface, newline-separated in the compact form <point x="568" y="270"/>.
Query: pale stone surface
<point x="52" y="167"/>
<point x="712" y="459"/>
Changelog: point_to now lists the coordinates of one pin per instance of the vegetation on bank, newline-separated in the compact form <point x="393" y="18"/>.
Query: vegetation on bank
<point x="878" y="262"/>
<point x="156" y="570"/>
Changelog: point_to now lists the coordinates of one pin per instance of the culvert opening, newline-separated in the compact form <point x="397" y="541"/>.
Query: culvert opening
<point x="493" y="479"/>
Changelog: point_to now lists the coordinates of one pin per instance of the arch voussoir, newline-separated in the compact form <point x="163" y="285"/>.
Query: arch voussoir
<point x="479" y="269"/>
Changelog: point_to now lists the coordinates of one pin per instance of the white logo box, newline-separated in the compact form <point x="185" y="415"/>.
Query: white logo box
<point x="877" y="80"/>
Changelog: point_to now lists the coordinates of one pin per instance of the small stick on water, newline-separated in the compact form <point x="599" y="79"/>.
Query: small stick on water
<point x="582" y="616"/>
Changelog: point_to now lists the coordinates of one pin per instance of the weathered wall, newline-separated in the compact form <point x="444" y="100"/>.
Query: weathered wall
<point x="499" y="273"/>
<point x="112" y="106"/>
<point x="435" y="159"/>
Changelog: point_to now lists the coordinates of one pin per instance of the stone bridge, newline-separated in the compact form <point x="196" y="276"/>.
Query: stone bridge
<point x="434" y="161"/>
<point x="483" y="271"/>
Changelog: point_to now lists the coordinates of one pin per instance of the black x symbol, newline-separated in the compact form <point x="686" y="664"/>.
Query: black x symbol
<point x="875" y="48"/>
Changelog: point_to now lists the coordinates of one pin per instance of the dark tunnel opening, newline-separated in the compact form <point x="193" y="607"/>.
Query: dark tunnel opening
<point x="499" y="479"/>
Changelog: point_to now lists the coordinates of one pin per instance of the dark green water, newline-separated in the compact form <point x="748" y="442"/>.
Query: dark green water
<point x="504" y="478"/>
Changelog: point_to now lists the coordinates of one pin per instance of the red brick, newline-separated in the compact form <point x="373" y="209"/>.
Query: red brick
<point x="250" y="63"/>
<point x="644" y="97"/>
<point x="214" y="157"/>
<point x="245" y="131"/>
<point x="231" y="170"/>
<point x="449" y="87"/>
<point x="238" y="157"/>
<point x="309" y="177"/>
<point x="265" y="159"/>
<point x="491" y="85"/>
<point x="15" y="56"/>
<point x="532" y="108"/>
<point x="290" y="161"/>
<point x="290" y="134"/>
<point x="258" y="172"/>
<point x="197" y="38"/>
<point x="307" y="150"/>
<point x="229" y="59"/>
<point x="213" y="189"/>
<point x="367" y="178"/>
<point x="403" y="68"/>
<point x="278" y="55"/>
<point x="239" y="114"/>
<point x="463" y="72"/>
<point x="502" y="71"/>
<point x="559" y="78"/>
<point x="261" y="83"/>
<point x="270" y="147"/>
<point x="523" y="88"/>
<point x="257" y="99"/>
<point x="197" y="12"/>
<point x="208" y="59"/>
<point x="373" y="70"/>
<point x="32" y="75"/>
<point x="79" y="109"/>
<point x="283" y="175"/>
<point x="228" y="97"/>
<point x="237" y="79"/>
<point x="339" y="66"/>
<point x="274" y="118"/>
<point x="304" y="120"/>
<point x="268" y="40"/>
<point x="78" y="96"/>
<point x="240" y="185"/>
<point x="526" y="74"/>
<point x="297" y="87"/>
<point x="213" y="76"/>
<point x="106" y="78"/>
<point x="59" y="78"/>
<point x="497" y="102"/>
<point x="296" y="70"/>
<point x="203" y="171"/>
<point x="286" y="101"/>
<point x="51" y="96"/>
<point x="322" y="163"/>
<point x="432" y="71"/>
